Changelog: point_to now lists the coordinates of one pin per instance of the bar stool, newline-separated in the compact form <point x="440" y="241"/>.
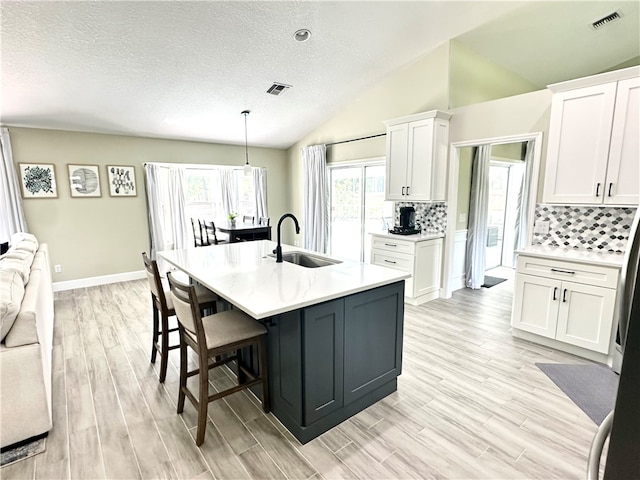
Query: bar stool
<point x="163" y="309"/>
<point x="218" y="337"/>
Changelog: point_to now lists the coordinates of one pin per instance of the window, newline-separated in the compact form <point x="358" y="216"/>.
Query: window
<point x="208" y="198"/>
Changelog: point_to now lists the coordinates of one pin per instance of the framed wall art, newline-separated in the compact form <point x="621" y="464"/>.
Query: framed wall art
<point x="84" y="180"/>
<point x="38" y="180"/>
<point x="122" y="181"/>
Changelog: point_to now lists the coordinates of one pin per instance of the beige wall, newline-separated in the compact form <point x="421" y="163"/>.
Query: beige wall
<point x="92" y="237"/>
<point x="474" y="79"/>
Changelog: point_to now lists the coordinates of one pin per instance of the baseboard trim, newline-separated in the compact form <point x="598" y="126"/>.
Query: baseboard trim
<point x="95" y="281"/>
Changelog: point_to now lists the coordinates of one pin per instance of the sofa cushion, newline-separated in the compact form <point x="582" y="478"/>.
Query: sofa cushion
<point x="16" y="265"/>
<point x="11" y="294"/>
<point x="19" y="254"/>
<point x="27" y="245"/>
<point x="25" y="327"/>
<point x="18" y="237"/>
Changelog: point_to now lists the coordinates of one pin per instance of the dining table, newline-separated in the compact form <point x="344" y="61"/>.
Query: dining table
<point x="242" y="232"/>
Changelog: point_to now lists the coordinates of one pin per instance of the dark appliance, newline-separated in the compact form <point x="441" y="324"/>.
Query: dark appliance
<point x="407" y="222"/>
<point x="622" y="425"/>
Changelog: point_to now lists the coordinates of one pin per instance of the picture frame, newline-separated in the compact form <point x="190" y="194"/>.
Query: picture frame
<point x="38" y="180"/>
<point x="84" y="180"/>
<point x="122" y="180"/>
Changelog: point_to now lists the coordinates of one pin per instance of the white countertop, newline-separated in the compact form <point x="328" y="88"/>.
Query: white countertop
<point x="605" y="259"/>
<point x="245" y="275"/>
<point x="418" y="237"/>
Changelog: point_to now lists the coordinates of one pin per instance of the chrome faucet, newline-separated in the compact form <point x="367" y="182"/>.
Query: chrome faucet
<point x="278" y="250"/>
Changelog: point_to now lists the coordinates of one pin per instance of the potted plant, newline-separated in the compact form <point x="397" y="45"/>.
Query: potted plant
<point x="232" y="219"/>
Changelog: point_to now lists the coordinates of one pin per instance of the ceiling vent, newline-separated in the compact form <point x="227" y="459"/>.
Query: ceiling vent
<point x="278" y="88"/>
<point x="606" y="20"/>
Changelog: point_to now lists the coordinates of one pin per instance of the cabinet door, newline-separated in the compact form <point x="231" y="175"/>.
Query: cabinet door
<point x="578" y="150"/>
<point x="585" y="316"/>
<point x="535" y="305"/>
<point x="323" y="358"/>
<point x="426" y="278"/>
<point x="397" y="161"/>
<point x="420" y="160"/>
<point x="373" y="331"/>
<point x="623" y="171"/>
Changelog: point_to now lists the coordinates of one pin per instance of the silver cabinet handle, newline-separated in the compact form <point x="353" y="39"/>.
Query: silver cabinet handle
<point x="562" y="271"/>
<point x="555" y="290"/>
<point x="564" y="296"/>
<point x="403" y="190"/>
<point x="389" y="261"/>
<point x="597" y="189"/>
<point x="407" y="190"/>
<point x="391" y="245"/>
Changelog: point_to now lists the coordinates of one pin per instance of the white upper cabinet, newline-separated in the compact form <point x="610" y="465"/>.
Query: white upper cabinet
<point x="593" y="154"/>
<point x="417" y="156"/>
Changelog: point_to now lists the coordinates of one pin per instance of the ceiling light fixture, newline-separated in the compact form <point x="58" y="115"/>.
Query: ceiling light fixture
<point x="302" y="35"/>
<point x="247" y="167"/>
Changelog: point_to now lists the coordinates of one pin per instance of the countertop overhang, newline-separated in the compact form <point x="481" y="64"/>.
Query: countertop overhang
<point x="416" y="237"/>
<point x="247" y="276"/>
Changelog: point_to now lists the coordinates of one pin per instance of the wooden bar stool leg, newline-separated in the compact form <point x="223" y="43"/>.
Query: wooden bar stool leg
<point x="154" y="349"/>
<point x="183" y="375"/>
<point x="164" y="354"/>
<point x="203" y="398"/>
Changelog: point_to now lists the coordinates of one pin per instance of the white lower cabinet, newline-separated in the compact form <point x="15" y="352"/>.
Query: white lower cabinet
<point x="421" y="258"/>
<point x="552" y="304"/>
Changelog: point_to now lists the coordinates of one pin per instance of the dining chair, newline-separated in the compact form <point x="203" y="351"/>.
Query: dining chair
<point x="163" y="309"/>
<point x="209" y="229"/>
<point x="218" y="338"/>
<point x="248" y="219"/>
<point x="264" y="221"/>
<point x="197" y="233"/>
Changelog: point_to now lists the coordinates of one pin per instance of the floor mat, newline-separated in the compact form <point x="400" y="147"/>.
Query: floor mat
<point x="591" y="387"/>
<point x="23" y="451"/>
<point x="492" y="281"/>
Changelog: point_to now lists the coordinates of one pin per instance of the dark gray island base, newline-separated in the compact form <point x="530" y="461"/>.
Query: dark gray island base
<point x="329" y="361"/>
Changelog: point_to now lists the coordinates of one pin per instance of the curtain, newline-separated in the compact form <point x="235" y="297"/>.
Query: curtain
<point x="228" y="184"/>
<point x="153" y="187"/>
<point x="524" y="200"/>
<point x="11" y="213"/>
<point x="316" y="198"/>
<point x="478" y="218"/>
<point x="180" y="225"/>
<point x="260" y="191"/>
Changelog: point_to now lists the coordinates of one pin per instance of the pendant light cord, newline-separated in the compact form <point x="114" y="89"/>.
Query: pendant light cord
<point x="246" y="148"/>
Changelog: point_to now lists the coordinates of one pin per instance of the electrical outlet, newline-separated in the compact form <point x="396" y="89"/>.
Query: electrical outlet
<point x="296" y="243"/>
<point x="57" y="268"/>
<point x="462" y="217"/>
<point x="541" y="227"/>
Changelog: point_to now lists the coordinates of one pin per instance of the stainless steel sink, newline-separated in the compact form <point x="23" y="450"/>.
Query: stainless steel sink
<point x="307" y="260"/>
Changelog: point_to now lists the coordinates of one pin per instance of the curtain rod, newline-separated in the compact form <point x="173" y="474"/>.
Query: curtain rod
<point x="356" y="139"/>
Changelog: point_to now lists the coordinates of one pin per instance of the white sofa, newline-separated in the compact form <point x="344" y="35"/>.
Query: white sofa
<point x="26" y="340"/>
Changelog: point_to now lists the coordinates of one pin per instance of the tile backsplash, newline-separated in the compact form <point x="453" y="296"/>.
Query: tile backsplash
<point x="585" y="227"/>
<point x="430" y="216"/>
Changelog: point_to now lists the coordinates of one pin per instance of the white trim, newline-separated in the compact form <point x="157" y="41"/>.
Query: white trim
<point x="452" y="195"/>
<point x="599" y="79"/>
<point x="459" y="246"/>
<point x="95" y="281"/>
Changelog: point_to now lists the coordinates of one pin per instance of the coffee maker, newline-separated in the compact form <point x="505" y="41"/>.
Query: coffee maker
<point x="407" y="222"/>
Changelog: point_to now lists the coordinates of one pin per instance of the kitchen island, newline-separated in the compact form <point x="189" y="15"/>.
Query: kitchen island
<point x="335" y="332"/>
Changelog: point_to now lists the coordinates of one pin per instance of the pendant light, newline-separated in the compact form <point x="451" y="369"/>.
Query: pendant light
<point x="247" y="167"/>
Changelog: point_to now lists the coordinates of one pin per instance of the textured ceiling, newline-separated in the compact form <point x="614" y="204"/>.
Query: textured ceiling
<point x="186" y="70"/>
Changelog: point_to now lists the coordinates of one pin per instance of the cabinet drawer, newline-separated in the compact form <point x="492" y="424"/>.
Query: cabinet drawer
<point x="393" y="245"/>
<point x="561" y="270"/>
<point x="400" y="261"/>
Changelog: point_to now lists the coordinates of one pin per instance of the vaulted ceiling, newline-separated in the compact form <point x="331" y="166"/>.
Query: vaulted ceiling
<point x="186" y="70"/>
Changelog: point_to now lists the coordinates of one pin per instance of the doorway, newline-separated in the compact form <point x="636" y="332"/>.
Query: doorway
<point x="357" y="207"/>
<point x="454" y="242"/>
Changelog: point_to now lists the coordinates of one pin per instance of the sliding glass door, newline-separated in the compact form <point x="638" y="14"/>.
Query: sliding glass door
<point x="357" y="208"/>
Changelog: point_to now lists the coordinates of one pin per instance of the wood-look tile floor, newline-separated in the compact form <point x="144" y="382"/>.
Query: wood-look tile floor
<point x="470" y="404"/>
